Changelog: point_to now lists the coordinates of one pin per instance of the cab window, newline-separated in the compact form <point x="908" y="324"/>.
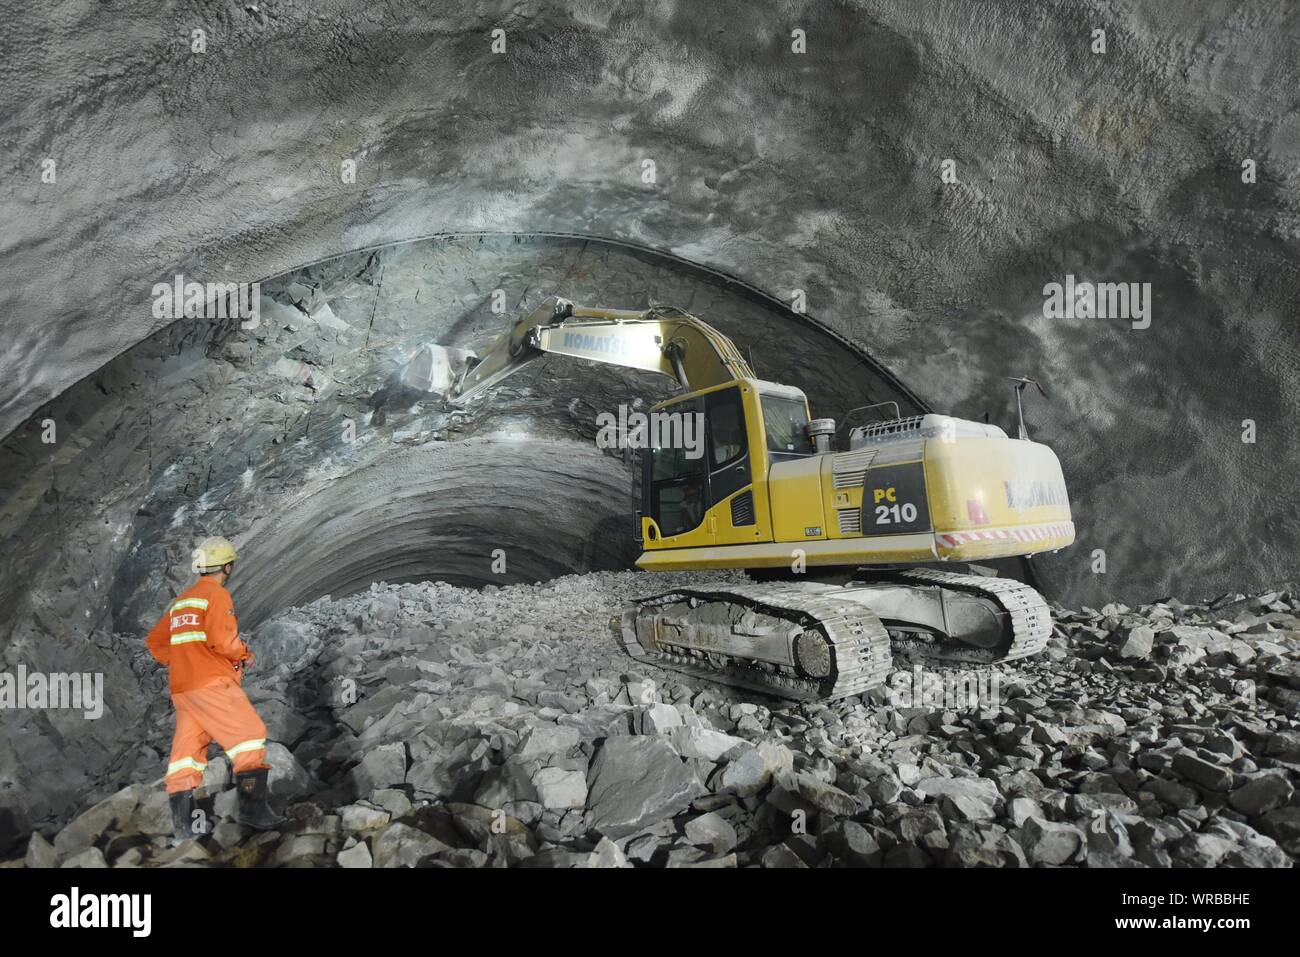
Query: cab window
<point x="677" y="474"/>
<point x="726" y="427"/>
<point x="784" y="419"/>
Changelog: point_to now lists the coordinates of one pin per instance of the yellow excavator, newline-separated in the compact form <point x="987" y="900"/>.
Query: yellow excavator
<point x="737" y="474"/>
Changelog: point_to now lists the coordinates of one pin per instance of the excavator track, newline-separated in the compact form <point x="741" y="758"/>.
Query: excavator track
<point x="834" y="648"/>
<point x="811" y="641"/>
<point x="1029" y="619"/>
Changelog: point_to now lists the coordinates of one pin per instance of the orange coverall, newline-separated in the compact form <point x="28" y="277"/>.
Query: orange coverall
<point x="198" y="640"/>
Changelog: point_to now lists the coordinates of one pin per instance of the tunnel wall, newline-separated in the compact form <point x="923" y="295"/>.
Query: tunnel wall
<point x="817" y="171"/>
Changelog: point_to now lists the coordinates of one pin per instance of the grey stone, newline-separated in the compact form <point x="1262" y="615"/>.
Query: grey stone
<point x="1211" y="776"/>
<point x="401" y="845"/>
<point x="395" y="802"/>
<point x="362" y="817"/>
<point x="963" y="808"/>
<point x="746" y="773"/>
<point x="1021" y="809"/>
<point x="981" y="789"/>
<point x="712" y="831"/>
<point x="88" y="857"/>
<point x="922" y="825"/>
<point x="1049" y="843"/>
<point x="431" y="779"/>
<point x="907" y="855"/>
<point x="153" y="814"/>
<point x="40" y="852"/>
<point x="299" y="847"/>
<point x="1171" y="792"/>
<point x="559" y="788"/>
<point x="635" y="781"/>
<point x="781" y="856"/>
<point x="114" y="811"/>
<point x="607" y="854"/>
<point x="1262" y="793"/>
<point x="1138" y="643"/>
<point x="1283" y="825"/>
<point x="727" y="860"/>
<point x="885" y="789"/>
<point x="825" y="797"/>
<point x="656" y="719"/>
<point x="1203" y="850"/>
<point x="287" y="779"/>
<point x="217" y="775"/>
<point x="853" y="844"/>
<point x="226" y="803"/>
<point x="131" y="857"/>
<point x="356" y="856"/>
<point x="1284" y="745"/>
<point x="704" y="743"/>
<point x="545" y="740"/>
<point x="190" y="853"/>
<point x="381" y="767"/>
<point x="228" y="834"/>
<point x="507" y="783"/>
<point x="283" y="723"/>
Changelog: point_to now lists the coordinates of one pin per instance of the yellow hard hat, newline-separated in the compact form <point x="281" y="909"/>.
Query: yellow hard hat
<point x="212" y="553"/>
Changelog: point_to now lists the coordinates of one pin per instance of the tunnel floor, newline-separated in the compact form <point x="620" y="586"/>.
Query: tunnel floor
<point x="435" y="726"/>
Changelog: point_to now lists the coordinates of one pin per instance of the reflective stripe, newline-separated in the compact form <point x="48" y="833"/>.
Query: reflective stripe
<point x="187" y="636"/>
<point x="243" y="746"/>
<point x="191" y="603"/>
<point x="185" y="764"/>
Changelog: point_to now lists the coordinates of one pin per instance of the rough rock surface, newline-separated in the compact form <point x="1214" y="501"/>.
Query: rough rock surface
<point x="818" y="171"/>
<point x="437" y="726"/>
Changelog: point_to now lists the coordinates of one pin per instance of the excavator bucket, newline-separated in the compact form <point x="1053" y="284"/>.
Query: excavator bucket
<point x="509" y="351"/>
<point x="435" y="368"/>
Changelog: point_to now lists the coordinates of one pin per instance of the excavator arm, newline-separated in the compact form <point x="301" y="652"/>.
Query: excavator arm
<point x="661" y="339"/>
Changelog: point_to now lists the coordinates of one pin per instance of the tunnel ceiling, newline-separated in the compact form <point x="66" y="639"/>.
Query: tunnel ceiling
<point x="817" y="172"/>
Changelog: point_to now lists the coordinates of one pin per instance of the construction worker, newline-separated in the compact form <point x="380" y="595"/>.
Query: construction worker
<point x="197" y="638"/>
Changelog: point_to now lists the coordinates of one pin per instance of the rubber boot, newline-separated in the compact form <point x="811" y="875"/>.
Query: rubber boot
<point x="254" y="810"/>
<point x="183" y="822"/>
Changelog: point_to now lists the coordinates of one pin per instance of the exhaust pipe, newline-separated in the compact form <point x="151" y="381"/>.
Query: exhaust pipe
<point x="821" y="431"/>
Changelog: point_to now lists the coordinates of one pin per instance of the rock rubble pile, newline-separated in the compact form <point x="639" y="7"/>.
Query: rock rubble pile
<point x="428" y="725"/>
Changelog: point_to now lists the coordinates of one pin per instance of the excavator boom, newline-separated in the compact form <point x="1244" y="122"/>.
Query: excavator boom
<point x="660" y="339"/>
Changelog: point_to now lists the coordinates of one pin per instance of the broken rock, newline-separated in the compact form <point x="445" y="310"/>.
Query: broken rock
<point x="712" y="831"/>
<point x="558" y="788"/>
<point x="635" y="781"/>
<point x="1049" y="843"/>
<point x="401" y="845"/>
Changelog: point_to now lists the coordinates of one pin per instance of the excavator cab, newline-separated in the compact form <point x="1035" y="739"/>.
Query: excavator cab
<point x="705" y="471"/>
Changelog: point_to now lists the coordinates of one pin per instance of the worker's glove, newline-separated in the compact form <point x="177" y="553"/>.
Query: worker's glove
<point x="246" y="662"/>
